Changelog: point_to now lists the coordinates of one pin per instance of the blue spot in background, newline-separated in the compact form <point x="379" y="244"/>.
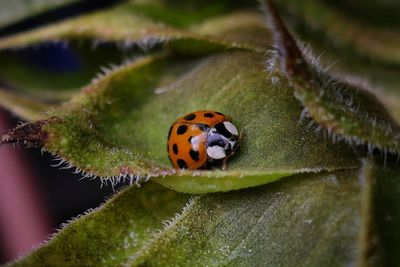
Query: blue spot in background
<point x="53" y="58"/>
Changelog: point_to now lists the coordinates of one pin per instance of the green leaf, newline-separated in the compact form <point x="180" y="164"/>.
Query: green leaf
<point x="107" y="236"/>
<point x="312" y="218"/>
<point x="335" y="28"/>
<point x="16" y="10"/>
<point x="149" y="24"/>
<point x="350" y="38"/>
<point x="118" y="125"/>
<point x="341" y="108"/>
<point x="370" y="74"/>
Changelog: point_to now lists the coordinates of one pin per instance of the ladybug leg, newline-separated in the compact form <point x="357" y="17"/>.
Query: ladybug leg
<point x="224" y="162"/>
<point x="241" y="135"/>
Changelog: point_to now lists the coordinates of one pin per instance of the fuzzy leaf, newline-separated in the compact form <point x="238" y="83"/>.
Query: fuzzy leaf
<point x="118" y="125"/>
<point x="34" y="68"/>
<point x="342" y="108"/>
<point x="109" y="235"/>
<point x="357" y="42"/>
<point x="339" y="29"/>
<point x="314" y="218"/>
<point x="149" y="24"/>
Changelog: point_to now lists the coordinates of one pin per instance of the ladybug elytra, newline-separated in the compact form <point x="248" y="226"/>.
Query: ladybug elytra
<point x="200" y="138"/>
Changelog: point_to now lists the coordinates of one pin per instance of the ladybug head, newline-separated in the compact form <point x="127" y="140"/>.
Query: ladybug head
<point x="221" y="140"/>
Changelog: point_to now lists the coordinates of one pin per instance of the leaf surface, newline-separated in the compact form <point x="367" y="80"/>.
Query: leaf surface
<point x="118" y="125"/>
<point x="314" y="217"/>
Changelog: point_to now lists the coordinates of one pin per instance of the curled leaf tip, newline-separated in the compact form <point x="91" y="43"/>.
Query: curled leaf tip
<point x="28" y="133"/>
<point x="290" y="56"/>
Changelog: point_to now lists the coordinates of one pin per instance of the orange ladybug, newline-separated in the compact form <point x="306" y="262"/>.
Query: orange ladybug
<point x="200" y="138"/>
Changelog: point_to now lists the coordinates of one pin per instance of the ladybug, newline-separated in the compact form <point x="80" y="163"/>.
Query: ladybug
<point x="200" y="138"/>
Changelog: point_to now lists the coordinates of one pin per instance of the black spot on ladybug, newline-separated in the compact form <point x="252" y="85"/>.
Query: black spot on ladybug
<point x="194" y="155"/>
<point x="169" y="132"/>
<point x="190" y="117"/>
<point x="175" y="149"/>
<point x="181" y="129"/>
<point x="182" y="164"/>
<point x="222" y="130"/>
<point x="219" y="113"/>
<point x="208" y="115"/>
<point x="190" y="139"/>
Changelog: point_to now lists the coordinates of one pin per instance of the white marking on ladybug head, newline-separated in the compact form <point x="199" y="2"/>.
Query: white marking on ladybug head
<point x="216" y="152"/>
<point x="231" y="128"/>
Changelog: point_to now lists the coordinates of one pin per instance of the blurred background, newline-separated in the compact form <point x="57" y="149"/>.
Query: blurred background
<point x="35" y="198"/>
